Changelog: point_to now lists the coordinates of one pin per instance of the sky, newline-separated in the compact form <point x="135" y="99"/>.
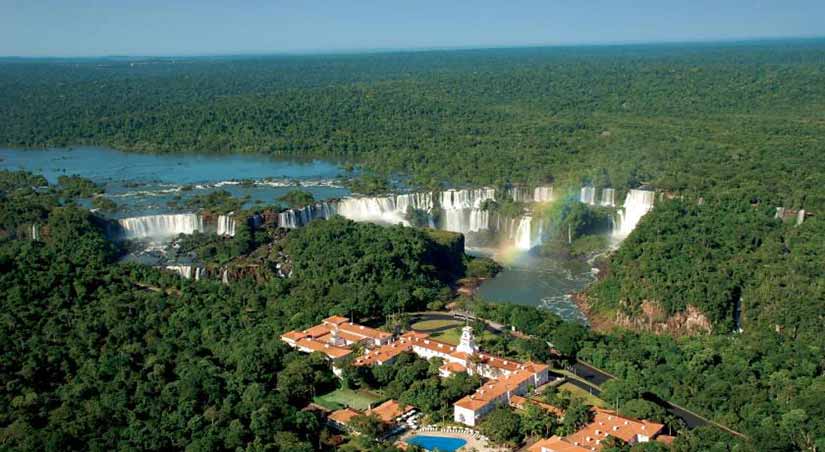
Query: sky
<point x="64" y="28"/>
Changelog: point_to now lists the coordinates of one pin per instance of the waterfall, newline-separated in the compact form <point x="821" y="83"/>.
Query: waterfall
<point x="588" y="195"/>
<point x="182" y="270"/>
<point x="460" y="212"/>
<point x="608" y="197"/>
<point x="636" y="205"/>
<point x="465" y="199"/>
<point x="521" y="194"/>
<point x="462" y="209"/>
<point x="225" y="276"/>
<point x="479" y="220"/>
<point x="226" y="225"/>
<point x="543" y="194"/>
<point x="419" y="201"/>
<point x="388" y="209"/>
<point x="160" y="226"/>
<point x="188" y="271"/>
<point x="523" y="238"/>
<point x="295" y="218"/>
<point x="35" y="231"/>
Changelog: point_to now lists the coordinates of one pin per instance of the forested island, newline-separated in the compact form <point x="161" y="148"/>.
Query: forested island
<point x="712" y="302"/>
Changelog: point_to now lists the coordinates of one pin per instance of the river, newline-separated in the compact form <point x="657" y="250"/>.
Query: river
<point x="148" y="184"/>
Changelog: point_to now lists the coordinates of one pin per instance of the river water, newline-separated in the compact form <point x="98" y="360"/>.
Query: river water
<point x="144" y="184"/>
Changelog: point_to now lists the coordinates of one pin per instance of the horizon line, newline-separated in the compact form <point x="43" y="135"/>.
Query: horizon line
<point x="415" y="49"/>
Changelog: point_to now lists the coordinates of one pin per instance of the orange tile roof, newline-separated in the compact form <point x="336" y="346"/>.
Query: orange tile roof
<point x="349" y="337"/>
<point x="329" y="350"/>
<point x="293" y="335"/>
<point x="390" y="410"/>
<point x="384" y="353"/>
<point x="494" y="389"/>
<point x="344" y="416"/>
<point x="499" y="363"/>
<point x="317" y="331"/>
<point x="405" y="342"/>
<point x="335" y="319"/>
<point x="555" y="444"/>
<point x="363" y="331"/>
<point x="455" y="368"/>
<point x="607" y="423"/>
<point x="414" y="333"/>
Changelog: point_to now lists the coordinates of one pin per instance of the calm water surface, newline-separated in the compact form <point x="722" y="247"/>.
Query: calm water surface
<point x="538" y="281"/>
<point x="144" y="184"/>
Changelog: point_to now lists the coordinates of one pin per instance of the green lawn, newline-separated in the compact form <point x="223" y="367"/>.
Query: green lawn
<point x="433" y="324"/>
<point x="359" y="399"/>
<point x="453" y="335"/>
<point x="582" y="394"/>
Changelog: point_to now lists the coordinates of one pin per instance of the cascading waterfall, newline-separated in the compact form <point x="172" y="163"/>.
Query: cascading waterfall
<point x="588" y="195"/>
<point x="636" y="205"/>
<point x="460" y="212"/>
<point x="465" y="199"/>
<point x="526" y="195"/>
<point x="524" y="233"/>
<point x="608" y="197"/>
<point x="187" y="271"/>
<point x="160" y="226"/>
<point x="543" y="194"/>
<point x="295" y="218"/>
<point x="462" y="209"/>
<point x="388" y="209"/>
<point x="225" y="276"/>
<point x="226" y="225"/>
<point x="479" y="220"/>
<point x="419" y="201"/>
<point x="521" y="194"/>
<point x="35" y="231"/>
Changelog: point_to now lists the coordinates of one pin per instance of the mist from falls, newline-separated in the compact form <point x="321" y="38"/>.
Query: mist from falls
<point x="455" y="210"/>
<point x="636" y="205"/>
<point x="226" y="225"/>
<point x="160" y="226"/>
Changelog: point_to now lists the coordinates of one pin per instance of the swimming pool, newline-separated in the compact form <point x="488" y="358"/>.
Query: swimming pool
<point x="441" y="443"/>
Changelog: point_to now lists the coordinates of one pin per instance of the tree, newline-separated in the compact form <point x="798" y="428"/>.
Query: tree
<point x="614" y="444"/>
<point x="368" y="425"/>
<point x="643" y="409"/>
<point x="297" y="198"/>
<point x="567" y="338"/>
<point x="576" y="416"/>
<point x="535" y="421"/>
<point x="502" y="425"/>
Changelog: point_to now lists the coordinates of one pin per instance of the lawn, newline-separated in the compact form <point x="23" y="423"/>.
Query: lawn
<point x="582" y="394"/>
<point x="359" y="399"/>
<point x="427" y="325"/>
<point x="453" y="335"/>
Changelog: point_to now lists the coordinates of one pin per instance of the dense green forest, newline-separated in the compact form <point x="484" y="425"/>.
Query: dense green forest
<point x="744" y="117"/>
<point x="98" y="355"/>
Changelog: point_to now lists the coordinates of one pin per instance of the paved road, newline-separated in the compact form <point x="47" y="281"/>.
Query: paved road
<point x="592" y="375"/>
<point x="598" y="377"/>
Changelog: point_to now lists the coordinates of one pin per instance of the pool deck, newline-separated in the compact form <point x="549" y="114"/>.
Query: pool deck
<point x="472" y="443"/>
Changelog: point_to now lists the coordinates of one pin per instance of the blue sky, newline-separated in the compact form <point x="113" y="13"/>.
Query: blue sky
<point x="208" y="27"/>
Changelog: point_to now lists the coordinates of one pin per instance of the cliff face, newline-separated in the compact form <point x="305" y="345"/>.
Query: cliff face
<point x="652" y="318"/>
